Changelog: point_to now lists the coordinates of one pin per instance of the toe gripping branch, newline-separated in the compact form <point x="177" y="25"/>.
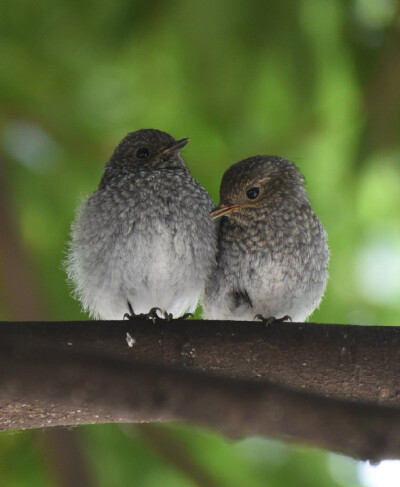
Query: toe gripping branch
<point x="271" y="319"/>
<point x="152" y="315"/>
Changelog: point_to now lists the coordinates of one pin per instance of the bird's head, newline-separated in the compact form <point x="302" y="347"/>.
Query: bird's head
<point x="259" y="183"/>
<point x="145" y="149"/>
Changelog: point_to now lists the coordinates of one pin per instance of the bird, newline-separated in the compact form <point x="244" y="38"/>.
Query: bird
<point x="142" y="244"/>
<point x="272" y="255"/>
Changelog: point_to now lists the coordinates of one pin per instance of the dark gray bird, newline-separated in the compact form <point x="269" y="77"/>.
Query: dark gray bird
<point x="144" y="237"/>
<point x="272" y="253"/>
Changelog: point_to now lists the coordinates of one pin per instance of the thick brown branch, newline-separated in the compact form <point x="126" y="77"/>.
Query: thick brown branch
<point x="341" y="361"/>
<point x="83" y="372"/>
<point x="41" y="386"/>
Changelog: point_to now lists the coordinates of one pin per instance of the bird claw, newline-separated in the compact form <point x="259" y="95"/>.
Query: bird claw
<point x="186" y="315"/>
<point x="152" y="315"/>
<point x="271" y="319"/>
<point x="131" y="315"/>
<point x="170" y="316"/>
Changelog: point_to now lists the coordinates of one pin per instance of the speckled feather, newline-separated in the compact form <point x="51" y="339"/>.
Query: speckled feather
<point x="137" y="239"/>
<point x="272" y="258"/>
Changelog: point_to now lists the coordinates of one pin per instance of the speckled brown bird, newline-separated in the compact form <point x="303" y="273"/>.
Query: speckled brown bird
<point x="272" y="253"/>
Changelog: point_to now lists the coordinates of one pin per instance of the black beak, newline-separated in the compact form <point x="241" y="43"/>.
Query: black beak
<point x="176" y="146"/>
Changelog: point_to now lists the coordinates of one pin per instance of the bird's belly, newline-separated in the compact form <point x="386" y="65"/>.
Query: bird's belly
<point x="150" y="270"/>
<point x="278" y="290"/>
<point x="273" y="288"/>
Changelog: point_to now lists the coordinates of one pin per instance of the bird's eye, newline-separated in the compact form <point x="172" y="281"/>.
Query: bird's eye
<point x="252" y="193"/>
<point x="142" y="153"/>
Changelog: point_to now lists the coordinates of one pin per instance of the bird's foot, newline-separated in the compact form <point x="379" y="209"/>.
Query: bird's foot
<point x="131" y="315"/>
<point x="184" y="316"/>
<point x="170" y="316"/>
<point x="151" y="315"/>
<point x="271" y="319"/>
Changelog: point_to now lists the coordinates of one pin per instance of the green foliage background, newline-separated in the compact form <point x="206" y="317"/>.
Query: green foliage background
<point x="315" y="81"/>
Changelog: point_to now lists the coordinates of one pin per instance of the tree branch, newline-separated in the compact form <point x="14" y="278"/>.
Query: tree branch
<point x="342" y="361"/>
<point x="302" y="381"/>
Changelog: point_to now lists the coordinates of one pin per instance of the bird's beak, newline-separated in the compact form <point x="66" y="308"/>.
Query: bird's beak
<point x="176" y="146"/>
<point x="222" y="210"/>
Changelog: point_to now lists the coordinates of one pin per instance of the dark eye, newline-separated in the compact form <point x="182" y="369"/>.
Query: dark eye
<point x="142" y="153"/>
<point x="252" y="193"/>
